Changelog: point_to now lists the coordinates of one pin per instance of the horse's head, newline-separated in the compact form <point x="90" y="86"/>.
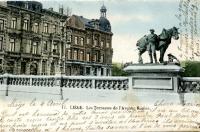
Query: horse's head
<point x="175" y="33"/>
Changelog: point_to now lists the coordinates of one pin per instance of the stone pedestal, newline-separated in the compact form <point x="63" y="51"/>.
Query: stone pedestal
<point x="154" y="76"/>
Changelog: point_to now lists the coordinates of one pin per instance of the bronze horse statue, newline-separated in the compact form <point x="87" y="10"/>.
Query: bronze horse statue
<point x="163" y="41"/>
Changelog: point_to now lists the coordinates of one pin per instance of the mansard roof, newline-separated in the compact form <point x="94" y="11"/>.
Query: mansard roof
<point x="28" y="5"/>
<point x="54" y="13"/>
<point x="102" y="24"/>
<point x="86" y="21"/>
<point x="36" y="7"/>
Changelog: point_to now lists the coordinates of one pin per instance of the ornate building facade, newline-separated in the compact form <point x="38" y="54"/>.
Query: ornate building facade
<point x="41" y="41"/>
<point x="90" y="51"/>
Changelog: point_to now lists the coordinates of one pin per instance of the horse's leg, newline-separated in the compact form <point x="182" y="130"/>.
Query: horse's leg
<point x="162" y="53"/>
<point x="140" y="56"/>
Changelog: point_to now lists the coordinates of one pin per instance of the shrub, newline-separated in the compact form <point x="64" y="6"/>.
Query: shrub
<point x="192" y="68"/>
<point x="117" y="70"/>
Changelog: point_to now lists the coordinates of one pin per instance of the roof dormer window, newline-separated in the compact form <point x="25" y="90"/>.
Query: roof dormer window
<point x="26" y="5"/>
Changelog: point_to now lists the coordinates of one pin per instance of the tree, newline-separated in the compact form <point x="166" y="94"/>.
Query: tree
<point x="68" y="11"/>
<point x="117" y="70"/>
<point x="192" y="68"/>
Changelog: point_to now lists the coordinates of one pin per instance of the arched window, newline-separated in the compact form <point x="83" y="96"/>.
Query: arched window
<point x="81" y="56"/>
<point x="75" y="55"/>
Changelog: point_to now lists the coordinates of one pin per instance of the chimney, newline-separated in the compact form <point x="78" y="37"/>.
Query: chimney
<point x="61" y="10"/>
<point x="3" y="3"/>
<point x="51" y="8"/>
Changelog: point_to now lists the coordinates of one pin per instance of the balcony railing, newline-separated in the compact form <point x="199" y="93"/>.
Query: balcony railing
<point x="15" y="54"/>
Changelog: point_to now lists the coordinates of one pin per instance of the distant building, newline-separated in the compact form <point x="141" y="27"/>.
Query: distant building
<point x="90" y="51"/>
<point x="41" y="41"/>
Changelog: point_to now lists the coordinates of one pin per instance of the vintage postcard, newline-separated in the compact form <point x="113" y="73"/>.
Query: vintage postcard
<point x="99" y="65"/>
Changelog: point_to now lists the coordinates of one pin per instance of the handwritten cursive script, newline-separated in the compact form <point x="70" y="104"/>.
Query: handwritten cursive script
<point x="50" y="115"/>
<point x="188" y="17"/>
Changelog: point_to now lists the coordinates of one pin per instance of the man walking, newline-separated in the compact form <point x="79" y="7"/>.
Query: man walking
<point x="151" y="47"/>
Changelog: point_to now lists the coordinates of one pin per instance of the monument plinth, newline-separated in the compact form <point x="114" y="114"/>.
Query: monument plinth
<point x="154" y="76"/>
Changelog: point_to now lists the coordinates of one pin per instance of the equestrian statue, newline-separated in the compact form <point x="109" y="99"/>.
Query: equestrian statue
<point x="152" y="42"/>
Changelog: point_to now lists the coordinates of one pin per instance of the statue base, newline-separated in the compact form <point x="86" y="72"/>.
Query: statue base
<point x="154" y="76"/>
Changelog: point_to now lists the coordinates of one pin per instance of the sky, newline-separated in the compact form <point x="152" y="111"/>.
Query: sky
<point x="130" y="20"/>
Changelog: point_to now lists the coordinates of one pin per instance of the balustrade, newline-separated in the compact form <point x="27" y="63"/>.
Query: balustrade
<point x="95" y="82"/>
<point x="24" y="80"/>
<point x="115" y="83"/>
<point x="118" y="84"/>
<point x="186" y="84"/>
<point x="189" y="84"/>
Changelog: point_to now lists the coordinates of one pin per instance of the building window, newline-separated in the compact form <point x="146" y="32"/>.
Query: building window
<point x="108" y="72"/>
<point x="34" y="48"/>
<point x="61" y="27"/>
<point x="26" y="5"/>
<point x="95" y="42"/>
<point x="69" y="54"/>
<point x="95" y="57"/>
<point x="88" y="57"/>
<point x="95" y="72"/>
<point x="107" y="45"/>
<point x="52" y="69"/>
<point x="102" y="71"/>
<point x="36" y="28"/>
<point x="75" y="40"/>
<point x="44" y="67"/>
<point x="12" y="45"/>
<point x="102" y="44"/>
<point x="24" y="44"/>
<point x="67" y="46"/>
<point x="54" y="29"/>
<point x="102" y="58"/>
<point x="82" y="41"/>
<point x="62" y="24"/>
<point x="14" y="23"/>
<point x="55" y="47"/>
<point x="28" y="47"/>
<point x="88" y="40"/>
<point x="23" y="67"/>
<point x="1" y="43"/>
<point x="81" y="56"/>
<point x="88" y="70"/>
<point x="1" y="25"/>
<point x="45" y="28"/>
<point x="69" y="38"/>
<point x="75" y="55"/>
<point x="25" y="25"/>
<point x="96" y="25"/>
<point x="45" y="45"/>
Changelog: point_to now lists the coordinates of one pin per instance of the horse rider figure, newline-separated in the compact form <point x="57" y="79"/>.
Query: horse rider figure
<point x="151" y="47"/>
